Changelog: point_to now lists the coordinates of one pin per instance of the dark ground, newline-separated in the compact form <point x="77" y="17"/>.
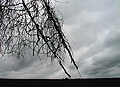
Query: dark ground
<point x="114" y="82"/>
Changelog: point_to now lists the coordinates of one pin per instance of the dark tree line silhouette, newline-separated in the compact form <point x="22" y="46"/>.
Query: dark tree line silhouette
<point x="33" y="24"/>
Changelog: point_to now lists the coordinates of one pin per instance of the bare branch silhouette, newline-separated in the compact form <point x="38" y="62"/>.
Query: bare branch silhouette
<point x="33" y="24"/>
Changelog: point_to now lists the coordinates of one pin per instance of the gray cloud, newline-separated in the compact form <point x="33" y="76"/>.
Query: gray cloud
<point x="95" y="30"/>
<point x="92" y="28"/>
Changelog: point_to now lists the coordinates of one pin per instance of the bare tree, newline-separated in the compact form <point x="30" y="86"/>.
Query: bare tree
<point x="33" y="24"/>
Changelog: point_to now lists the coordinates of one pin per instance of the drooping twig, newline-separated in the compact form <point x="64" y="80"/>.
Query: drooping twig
<point x="34" y="25"/>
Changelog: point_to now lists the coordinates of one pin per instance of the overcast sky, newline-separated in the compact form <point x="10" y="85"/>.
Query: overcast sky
<point x="93" y="30"/>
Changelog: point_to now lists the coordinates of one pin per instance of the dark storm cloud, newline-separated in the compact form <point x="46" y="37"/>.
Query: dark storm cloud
<point x="109" y="60"/>
<point x="103" y="65"/>
<point x="102" y="59"/>
<point x="113" y="39"/>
